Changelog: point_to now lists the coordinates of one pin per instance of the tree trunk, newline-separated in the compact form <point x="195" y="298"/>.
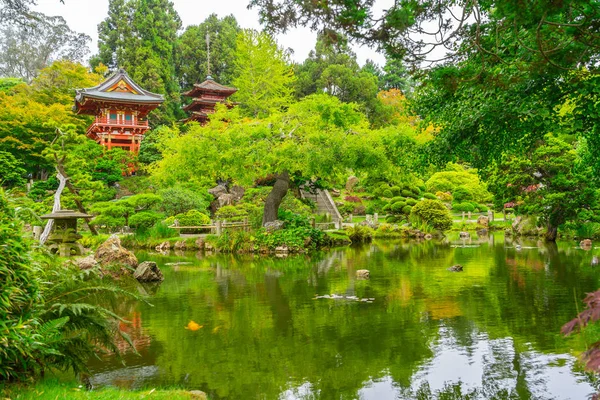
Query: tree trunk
<point x="55" y="208"/>
<point x="551" y="233"/>
<point x="280" y="189"/>
<point x="72" y="189"/>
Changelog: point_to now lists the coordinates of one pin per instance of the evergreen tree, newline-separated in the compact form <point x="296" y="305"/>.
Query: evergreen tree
<point x="192" y="56"/>
<point x="140" y="36"/>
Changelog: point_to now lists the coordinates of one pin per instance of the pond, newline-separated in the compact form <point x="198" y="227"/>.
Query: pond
<point x="251" y="327"/>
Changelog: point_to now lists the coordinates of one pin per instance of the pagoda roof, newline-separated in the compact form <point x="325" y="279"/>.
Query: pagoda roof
<point x="117" y="88"/>
<point x="209" y="85"/>
<point x="66" y="214"/>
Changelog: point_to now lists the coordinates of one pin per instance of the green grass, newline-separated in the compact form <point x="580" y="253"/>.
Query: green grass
<point x="56" y="390"/>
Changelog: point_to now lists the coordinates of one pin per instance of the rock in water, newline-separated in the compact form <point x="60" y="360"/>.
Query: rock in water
<point x="483" y="221"/>
<point x="595" y="260"/>
<point x="111" y="252"/>
<point x="88" y="262"/>
<point x="363" y="274"/>
<point x="148" y="271"/>
<point x="456" y="268"/>
<point x="163" y="247"/>
<point x="464" y="235"/>
<point x="586" y="244"/>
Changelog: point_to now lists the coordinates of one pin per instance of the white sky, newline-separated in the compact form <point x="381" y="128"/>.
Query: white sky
<point x="85" y="15"/>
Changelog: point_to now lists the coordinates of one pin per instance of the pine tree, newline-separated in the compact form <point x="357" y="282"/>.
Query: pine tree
<point x="140" y="36"/>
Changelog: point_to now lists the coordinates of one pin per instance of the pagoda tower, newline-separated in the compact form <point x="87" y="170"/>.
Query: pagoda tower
<point x="121" y="108"/>
<point x="205" y="96"/>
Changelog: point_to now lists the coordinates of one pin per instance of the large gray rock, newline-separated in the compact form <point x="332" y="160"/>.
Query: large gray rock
<point x="111" y="252"/>
<point x="274" y="225"/>
<point x="456" y="268"/>
<point x="363" y="274"/>
<point x="88" y="262"/>
<point x="148" y="271"/>
<point x="226" y="199"/>
<point x="483" y="221"/>
<point x="237" y="192"/>
<point x="218" y="191"/>
<point x="351" y="183"/>
<point x="464" y="235"/>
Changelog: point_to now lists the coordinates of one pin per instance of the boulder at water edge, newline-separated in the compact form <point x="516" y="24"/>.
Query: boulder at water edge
<point x="483" y="221"/>
<point x="111" y="252"/>
<point x="456" y="268"/>
<point x="363" y="274"/>
<point x="586" y="244"/>
<point x="148" y="271"/>
<point x="464" y="235"/>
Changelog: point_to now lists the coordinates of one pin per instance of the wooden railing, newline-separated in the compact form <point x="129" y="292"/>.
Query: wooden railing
<point x="215" y="226"/>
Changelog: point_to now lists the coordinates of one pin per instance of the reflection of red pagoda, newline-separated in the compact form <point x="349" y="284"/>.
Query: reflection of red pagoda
<point x="121" y="109"/>
<point x="205" y="96"/>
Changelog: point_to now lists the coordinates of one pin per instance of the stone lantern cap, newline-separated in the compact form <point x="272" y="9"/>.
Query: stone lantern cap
<point x="66" y="214"/>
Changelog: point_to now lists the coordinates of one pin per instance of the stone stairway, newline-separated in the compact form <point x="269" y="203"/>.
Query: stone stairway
<point x="325" y="205"/>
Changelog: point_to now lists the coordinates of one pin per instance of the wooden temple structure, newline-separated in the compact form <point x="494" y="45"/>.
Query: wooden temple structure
<point x="205" y="96"/>
<point x="120" y="107"/>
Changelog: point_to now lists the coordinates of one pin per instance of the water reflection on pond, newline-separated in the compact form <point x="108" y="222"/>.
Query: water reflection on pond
<point x="490" y="331"/>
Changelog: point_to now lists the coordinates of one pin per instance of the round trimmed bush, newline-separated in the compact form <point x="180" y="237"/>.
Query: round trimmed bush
<point x="397" y="207"/>
<point x="434" y="213"/>
<point x="391" y="219"/>
<point x="408" y="193"/>
<point x="466" y="207"/>
<point x="144" y="219"/>
<point x="411" y="202"/>
<point x="396" y="190"/>
<point x="406" y="209"/>
<point x="397" y="199"/>
<point x="482" y="208"/>
<point x="429" y="196"/>
<point x="387" y="193"/>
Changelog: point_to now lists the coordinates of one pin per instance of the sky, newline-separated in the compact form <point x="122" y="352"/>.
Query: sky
<point x="85" y="15"/>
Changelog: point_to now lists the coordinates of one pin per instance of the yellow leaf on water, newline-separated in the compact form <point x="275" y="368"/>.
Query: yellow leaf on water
<point x="193" y="326"/>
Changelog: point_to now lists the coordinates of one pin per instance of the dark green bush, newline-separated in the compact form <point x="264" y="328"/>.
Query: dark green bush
<point x="434" y="213"/>
<point x="396" y="190"/>
<point x="462" y="194"/>
<point x="387" y="193"/>
<point x="145" y="219"/>
<point x="408" y="193"/>
<point x="466" y="207"/>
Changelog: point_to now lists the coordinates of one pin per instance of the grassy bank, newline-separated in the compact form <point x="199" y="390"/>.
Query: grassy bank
<point x="57" y="390"/>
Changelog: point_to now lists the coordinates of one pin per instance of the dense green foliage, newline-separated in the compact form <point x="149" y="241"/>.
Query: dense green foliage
<point x="552" y="183"/>
<point x="46" y="320"/>
<point x="433" y="213"/>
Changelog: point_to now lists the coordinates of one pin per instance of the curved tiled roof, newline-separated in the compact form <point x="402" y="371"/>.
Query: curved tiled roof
<point x="101" y="91"/>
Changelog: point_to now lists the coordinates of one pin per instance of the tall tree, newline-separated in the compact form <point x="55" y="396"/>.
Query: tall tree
<point x="318" y="137"/>
<point x="27" y="48"/>
<point x="30" y="114"/>
<point x="192" y="51"/>
<point x="263" y="75"/>
<point x="332" y="68"/>
<point x="141" y="36"/>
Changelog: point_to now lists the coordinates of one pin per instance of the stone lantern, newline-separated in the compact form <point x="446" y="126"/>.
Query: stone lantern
<point x="64" y="236"/>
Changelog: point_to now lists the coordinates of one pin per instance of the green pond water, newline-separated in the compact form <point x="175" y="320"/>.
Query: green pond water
<point x="413" y="330"/>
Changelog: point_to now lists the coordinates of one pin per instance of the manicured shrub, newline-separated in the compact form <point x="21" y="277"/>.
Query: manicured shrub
<point x="179" y="200"/>
<point x="466" y="207"/>
<point x="482" y="207"/>
<point x="396" y="190"/>
<point x="406" y="209"/>
<point x="231" y="213"/>
<point x="391" y="219"/>
<point x="429" y="196"/>
<point x="408" y="193"/>
<point x="462" y="194"/>
<point x="397" y="199"/>
<point x="434" y="213"/>
<point x="387" y="193"/>
<point x="411" y="202"/>
<point x="397" y="207"/>
<point x="190" y="218"/>
<point x="144" y="219"/>
<point x="443" y="196"/>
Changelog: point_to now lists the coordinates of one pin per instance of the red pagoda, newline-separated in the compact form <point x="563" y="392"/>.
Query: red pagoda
<point x="121" y="109"/>
<point x="205" y="96"/>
